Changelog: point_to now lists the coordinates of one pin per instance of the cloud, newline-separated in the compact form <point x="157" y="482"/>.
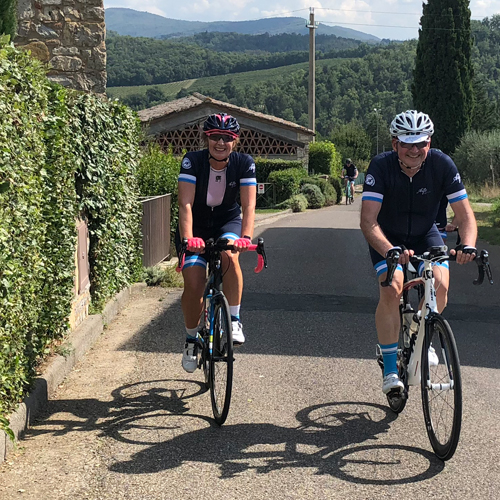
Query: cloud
<point x="396" y="19"/>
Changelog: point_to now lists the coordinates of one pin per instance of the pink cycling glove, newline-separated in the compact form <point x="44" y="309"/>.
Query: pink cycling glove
<point x="243" y="243"/>
<point x="195" y="244"/>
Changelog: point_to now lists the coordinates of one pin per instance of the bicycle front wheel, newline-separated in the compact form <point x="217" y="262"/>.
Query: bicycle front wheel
<point x="441" y="388"/>
<point x="221" y="361"/>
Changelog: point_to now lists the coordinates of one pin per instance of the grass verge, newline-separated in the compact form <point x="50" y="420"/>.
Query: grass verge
<point x="487" y="222"/>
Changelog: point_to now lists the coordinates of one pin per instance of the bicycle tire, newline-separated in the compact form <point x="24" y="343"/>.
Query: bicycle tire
<point x="442" y="389"/>
<point x="221" y="361"/>
<point x="347" y="195"/>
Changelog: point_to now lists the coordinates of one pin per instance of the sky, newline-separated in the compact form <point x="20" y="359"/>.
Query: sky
<point x="394" y="19"/>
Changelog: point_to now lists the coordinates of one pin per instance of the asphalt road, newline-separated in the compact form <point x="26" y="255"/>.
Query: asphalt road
<point x="308" y="419"/>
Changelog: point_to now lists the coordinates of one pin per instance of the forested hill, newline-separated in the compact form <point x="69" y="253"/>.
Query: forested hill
<point x="135" y="23"/>
<point x="350" y="83"/>
<point x="146" y="61"/>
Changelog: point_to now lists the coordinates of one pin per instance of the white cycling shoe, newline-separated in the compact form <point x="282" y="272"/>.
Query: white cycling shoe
<point x="190" y="357"/>
<point x="432" y="357"/>
<point x="391" y="382"/>
<point x="238" y="337"/>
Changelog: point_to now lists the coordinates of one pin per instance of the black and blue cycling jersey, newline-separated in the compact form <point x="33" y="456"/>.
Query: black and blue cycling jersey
<point x="410" y="205"/>
<point x="195" y="169"/>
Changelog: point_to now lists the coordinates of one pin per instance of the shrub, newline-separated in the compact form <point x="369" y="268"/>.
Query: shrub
<point x="324" y="159"/>
<point x="157" y="175"/>
<point x="298" y="203"/>
<point x="163" y="276"/>
<point x="264" y="166"/>
<point x="326" y="188"/>
<point x="335" y="182"/>
<point x="287" y="182"/>
<point x="315" y="198"/>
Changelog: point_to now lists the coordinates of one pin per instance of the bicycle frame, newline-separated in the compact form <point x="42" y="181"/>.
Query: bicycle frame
<point x="430" y="304"/>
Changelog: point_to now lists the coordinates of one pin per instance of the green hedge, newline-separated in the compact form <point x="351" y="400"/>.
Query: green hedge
<point x="324" y="159"/>
<point x="49" y="138"/>
<point x="264" y="166"/>
<point x="287" y="182"/>
<point x="157" y="175"/>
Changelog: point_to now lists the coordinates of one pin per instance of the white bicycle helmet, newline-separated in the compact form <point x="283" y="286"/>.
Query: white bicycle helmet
<point x="412" y="126"/>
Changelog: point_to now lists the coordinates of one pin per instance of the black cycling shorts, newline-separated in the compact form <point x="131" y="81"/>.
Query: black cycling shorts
<point x="230" y="230"/>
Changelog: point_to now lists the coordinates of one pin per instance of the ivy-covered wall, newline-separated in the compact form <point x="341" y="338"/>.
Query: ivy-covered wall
<point x="63" y="154"/>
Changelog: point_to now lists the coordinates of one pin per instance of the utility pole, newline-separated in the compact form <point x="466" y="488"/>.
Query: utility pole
<point x="376" y="117"/>
<point x="312" y="71"/>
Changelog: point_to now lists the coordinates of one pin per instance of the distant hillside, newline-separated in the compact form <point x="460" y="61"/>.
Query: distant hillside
<point x="135" y="23"/>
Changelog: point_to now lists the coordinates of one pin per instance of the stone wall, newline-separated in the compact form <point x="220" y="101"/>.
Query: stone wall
<point x="69" y="36"/>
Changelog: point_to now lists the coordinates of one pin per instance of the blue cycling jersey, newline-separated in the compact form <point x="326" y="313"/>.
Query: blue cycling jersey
<point x="195" y="169"/>
<point x="410" y="204"/>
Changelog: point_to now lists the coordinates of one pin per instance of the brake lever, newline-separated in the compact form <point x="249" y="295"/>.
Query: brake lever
<point x="483" y="267"/>
<point x="392" y="264"/>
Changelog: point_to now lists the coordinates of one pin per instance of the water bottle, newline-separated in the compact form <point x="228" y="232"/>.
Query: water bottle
<point x="407" y="324"/>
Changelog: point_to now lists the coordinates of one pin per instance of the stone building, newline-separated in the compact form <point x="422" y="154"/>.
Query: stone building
<point x="179" y="124"/>
<point x="68" y="35"/>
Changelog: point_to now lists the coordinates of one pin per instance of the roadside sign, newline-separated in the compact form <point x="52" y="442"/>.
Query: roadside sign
<point x="260" y="188"/>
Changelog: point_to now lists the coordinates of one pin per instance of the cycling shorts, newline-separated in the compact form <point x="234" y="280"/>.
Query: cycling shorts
<point x="419" y="245"/>
<point x="230" y="230"/>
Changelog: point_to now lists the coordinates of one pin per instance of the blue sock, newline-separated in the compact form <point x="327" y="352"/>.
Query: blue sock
<point x="390" y="354"/>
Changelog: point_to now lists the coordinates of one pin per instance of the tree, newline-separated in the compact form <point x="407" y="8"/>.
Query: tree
<point x="352" y="141"/>
<point x="8" y="17"/>
<point x="443" y="74"/>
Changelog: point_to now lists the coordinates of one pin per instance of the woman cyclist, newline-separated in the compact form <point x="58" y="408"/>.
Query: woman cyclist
<point x="209" y="183"/>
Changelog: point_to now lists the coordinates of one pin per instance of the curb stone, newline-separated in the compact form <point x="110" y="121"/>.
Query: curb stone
<point x="78" y="342"/>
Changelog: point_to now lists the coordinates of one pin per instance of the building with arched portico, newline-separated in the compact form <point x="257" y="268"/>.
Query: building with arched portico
<point x="178" y="124"/>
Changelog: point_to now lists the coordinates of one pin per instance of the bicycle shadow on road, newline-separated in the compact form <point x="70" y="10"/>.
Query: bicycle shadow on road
<point x="333" y="438"/>
<point x="327" y="439"/>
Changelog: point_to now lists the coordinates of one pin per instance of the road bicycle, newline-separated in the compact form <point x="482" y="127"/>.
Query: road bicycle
<point x="423" y="331"/>
<point x="349" y="198"/>
<point x="215" y="337"/>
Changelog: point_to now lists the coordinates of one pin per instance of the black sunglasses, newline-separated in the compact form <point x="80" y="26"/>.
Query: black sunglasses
<point x="218" y="137"/>
<point x="409" y="145"/>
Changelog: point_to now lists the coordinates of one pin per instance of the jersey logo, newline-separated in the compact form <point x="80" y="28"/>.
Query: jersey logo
<point x="370" y="180"/>
<point x="186" y="164"/>
<point x="423" y="191"/>
<point x="457" y="178"/>
<point x="251" y="168"/>
<point x="218" y="178"/>
<point x="232" y="184"/>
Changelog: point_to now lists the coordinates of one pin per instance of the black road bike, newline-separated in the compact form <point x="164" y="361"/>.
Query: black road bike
<point x="215" y="337"/>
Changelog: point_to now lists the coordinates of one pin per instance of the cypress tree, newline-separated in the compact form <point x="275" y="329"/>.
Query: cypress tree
<point x="8" y="17"/>
<point x="442" y="85"/>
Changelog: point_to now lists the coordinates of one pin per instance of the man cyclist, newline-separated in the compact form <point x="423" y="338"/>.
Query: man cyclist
<point x="402" y="193"/>
<point x="349" y="173"/>
<point x="209" y="183"/>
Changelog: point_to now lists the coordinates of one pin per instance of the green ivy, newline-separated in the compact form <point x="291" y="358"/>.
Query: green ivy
<point x="62" y="154"/>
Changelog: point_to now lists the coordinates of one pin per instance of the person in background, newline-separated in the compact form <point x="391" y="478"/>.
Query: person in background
<point x="349" y="173"/>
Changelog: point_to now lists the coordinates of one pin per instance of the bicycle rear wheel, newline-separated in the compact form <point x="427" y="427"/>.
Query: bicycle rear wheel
<point x="221" y="361"/>
<point x="442" y="389"/>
